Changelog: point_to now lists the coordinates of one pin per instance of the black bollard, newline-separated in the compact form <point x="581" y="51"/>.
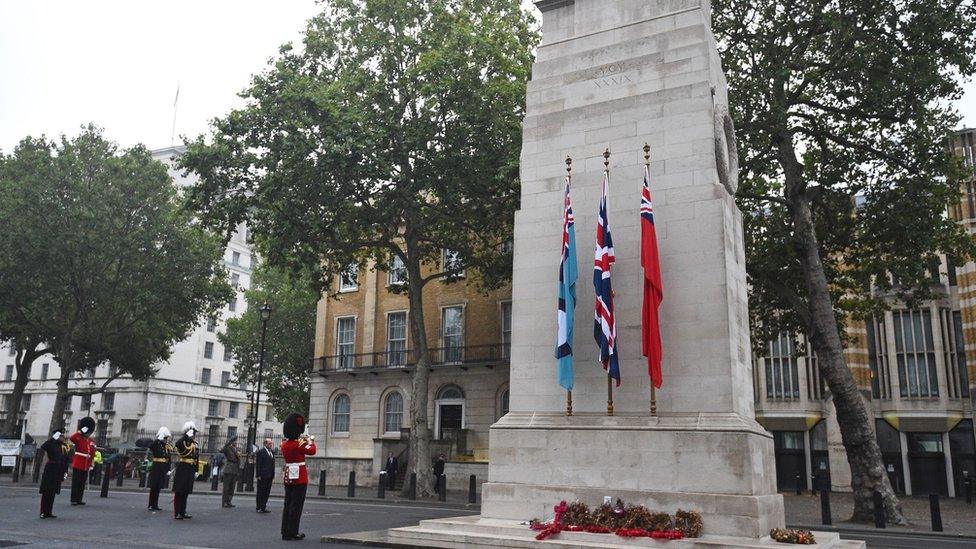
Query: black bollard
<point x="36" y="475"/>
<point x="120" y="477"/>
<point x="15" y="476"/>
<point x="142" y="479"/>
<point x="214" y="482"/>
<point x="442" y="488"/>
<point x="799" y="487"/>
<point x="322" y="482"/>
<point x="472" y="489"/>
<point x="105" y="480"/>
<point x="381" y="487"/>
<point x="351" y="490"/>
<point x="936" y="513"/>
<point x="825" y="517"/>
<point x="412" y="493"/>
<point x="879" y="512"/>
<point x="968" y="488"/>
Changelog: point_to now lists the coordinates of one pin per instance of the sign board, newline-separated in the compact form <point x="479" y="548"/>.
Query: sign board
<point x="9" y="446"/>
<point x="28" y="451"/>
<point x="8" y="461"/>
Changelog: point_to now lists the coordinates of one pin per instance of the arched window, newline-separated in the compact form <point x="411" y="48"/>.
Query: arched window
<point x="340" y="414"/>
<point x="450" y="392"/>
<point x="504" y="403"/>
<point x="393" y="413"/>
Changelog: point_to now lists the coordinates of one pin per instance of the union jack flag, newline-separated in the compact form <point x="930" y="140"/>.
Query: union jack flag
<point x="605" y="325"/>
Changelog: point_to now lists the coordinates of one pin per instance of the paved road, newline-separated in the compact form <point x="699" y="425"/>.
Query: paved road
<point x="121" y="520"/>
<point x="899" y="541"/>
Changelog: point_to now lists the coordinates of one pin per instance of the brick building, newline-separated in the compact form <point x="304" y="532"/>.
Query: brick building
<point x="915" y="367"/>
<point x="361" y="386"/>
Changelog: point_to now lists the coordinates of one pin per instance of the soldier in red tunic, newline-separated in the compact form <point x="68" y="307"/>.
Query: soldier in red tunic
<point x="294" y="450"/>
<point x="83" y="459"/>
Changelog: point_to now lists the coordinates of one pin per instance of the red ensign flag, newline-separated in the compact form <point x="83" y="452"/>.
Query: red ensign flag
<point x="653" y="289"/>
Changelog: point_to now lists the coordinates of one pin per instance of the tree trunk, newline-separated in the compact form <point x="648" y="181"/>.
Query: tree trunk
<point x="57" y="414"/>
<point x="863" y="454"/>
<point x="25" y="359"/>
<point x="419" y="443"/>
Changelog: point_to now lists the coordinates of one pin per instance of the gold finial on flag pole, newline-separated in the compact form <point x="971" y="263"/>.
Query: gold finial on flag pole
<point x="647" y="162"/>
<point x="606" y="159"/>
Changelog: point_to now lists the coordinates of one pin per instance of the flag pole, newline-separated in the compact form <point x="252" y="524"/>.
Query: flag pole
<point x="606" y="167"/>
<point x="647" y="163"/>
<point x="569" y="393"/>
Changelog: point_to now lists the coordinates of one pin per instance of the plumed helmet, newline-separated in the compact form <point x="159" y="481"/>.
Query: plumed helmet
<point x="162" y="433"/>
<point x="86" y="425"/>
<point x="293" y="426"/>
<point x="189" y="425"/>
<point x="57" y="433"/>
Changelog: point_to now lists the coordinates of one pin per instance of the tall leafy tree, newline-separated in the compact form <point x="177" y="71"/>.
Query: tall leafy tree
<point x="98" y="258"/>
<point x="843" y="112"/>
<point x="27" y="351"/>
<point x="290" y="339"/>
<point x="393" y="131"/>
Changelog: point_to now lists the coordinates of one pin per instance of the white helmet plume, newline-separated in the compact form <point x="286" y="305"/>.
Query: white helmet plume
<point x="189" y="425"/>
<point x="162" y="433"/>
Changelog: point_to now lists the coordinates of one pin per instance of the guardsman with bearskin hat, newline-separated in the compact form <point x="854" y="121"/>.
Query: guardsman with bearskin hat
<point x="294" y="450"/>
<point x="160" y="450"/>
<point x="186" y="470"/>
<point x="54" y="449"/>
<point x="82" y="461"/>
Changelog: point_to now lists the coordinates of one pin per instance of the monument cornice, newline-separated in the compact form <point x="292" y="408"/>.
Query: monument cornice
<point x="546" y="5"/>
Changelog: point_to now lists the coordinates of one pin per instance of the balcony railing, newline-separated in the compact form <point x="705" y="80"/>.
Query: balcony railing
<point x="439" y="356"/>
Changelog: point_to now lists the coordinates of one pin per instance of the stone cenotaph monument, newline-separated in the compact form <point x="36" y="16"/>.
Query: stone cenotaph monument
<point x="618" y="74"/>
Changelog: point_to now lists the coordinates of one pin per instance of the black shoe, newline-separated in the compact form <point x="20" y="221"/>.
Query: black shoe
<point x="178" y="517"/>
<point x="155" y="509"/>
<point x="183" y="517"/>
<point x="263" y="511"/>
<point x="299" y="536"/>
<point x="48" y="515"/>
<point x="77" y="503"/>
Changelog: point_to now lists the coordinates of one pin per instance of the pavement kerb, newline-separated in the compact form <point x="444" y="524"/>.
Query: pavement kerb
<point x="880" y="531"/>
<point x="310" y="496"/>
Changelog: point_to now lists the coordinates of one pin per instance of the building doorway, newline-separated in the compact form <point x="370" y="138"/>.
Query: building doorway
<point x="449" y="407"/>
<point x="962" y="446"/>
<point x="889" y="441"/>
<point x="819" y="457"/>
<point x="926" y="462"/>
<point x="791" y="460"/>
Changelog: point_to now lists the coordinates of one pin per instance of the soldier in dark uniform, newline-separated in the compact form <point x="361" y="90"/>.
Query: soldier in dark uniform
<point x="186" y="470"/>
<point x="53" y="472"/>
<point x="159" y="468"/>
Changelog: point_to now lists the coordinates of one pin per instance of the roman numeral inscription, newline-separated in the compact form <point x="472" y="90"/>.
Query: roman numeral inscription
<point x="612" y="75"/>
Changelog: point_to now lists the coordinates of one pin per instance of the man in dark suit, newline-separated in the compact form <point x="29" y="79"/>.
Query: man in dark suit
<point x="265" y="471"/>
<point x="391" y="471"/>
<point x="438" y="472"/>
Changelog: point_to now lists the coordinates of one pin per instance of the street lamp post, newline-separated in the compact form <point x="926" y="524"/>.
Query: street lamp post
<point x="265" y="316"/>
<point x="91" y="395"/>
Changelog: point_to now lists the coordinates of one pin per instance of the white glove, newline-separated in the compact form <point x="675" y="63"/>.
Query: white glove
<point x="169" y="473"/>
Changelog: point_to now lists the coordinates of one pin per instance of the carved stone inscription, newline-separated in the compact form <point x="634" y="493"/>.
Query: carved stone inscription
<point x="612" y="75"/>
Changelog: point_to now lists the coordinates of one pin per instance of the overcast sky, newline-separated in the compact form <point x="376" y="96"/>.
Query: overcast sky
<point x="117" y="63"/>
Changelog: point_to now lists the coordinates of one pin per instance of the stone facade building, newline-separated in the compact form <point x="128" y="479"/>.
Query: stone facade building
<point x="361" y="386"/>
<point x="196" y="383"/>
<point x="916" y="368"/>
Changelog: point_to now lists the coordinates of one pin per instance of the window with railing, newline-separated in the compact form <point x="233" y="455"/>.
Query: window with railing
<point x="393" y="413"/>
<point x="452" y="334"/>
<point x="396" y="338"/>
<point x="915" y="349"/>
<point x="816" y="385"/>
<point x="341" y="408"/>
<point x="878" y="358"/>
<point x="213" y="408"/>
<point x="205" y="376"/>
<point x="345" y="342"/>
<point x="232" y="412"/>
<point x="954" y="346"/>
<point x="108" y="402"/>
<point x="782" y="380"/>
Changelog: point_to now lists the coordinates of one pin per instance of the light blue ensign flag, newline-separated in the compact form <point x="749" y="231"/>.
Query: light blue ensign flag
<point x="567" y="296"/>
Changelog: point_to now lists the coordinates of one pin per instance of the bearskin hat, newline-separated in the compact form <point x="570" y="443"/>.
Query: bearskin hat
<point x="86" y="425"/>
<point x="293" y="426"/>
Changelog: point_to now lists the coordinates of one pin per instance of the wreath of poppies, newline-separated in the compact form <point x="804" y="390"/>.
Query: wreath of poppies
<point x="633" y="521"/>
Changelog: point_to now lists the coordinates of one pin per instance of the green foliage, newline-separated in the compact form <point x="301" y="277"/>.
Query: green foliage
<point x="98" y="258"/>
<point x="835" y="100"/>
<point x="393" y="129"/>
<point x="290" y="339"/>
